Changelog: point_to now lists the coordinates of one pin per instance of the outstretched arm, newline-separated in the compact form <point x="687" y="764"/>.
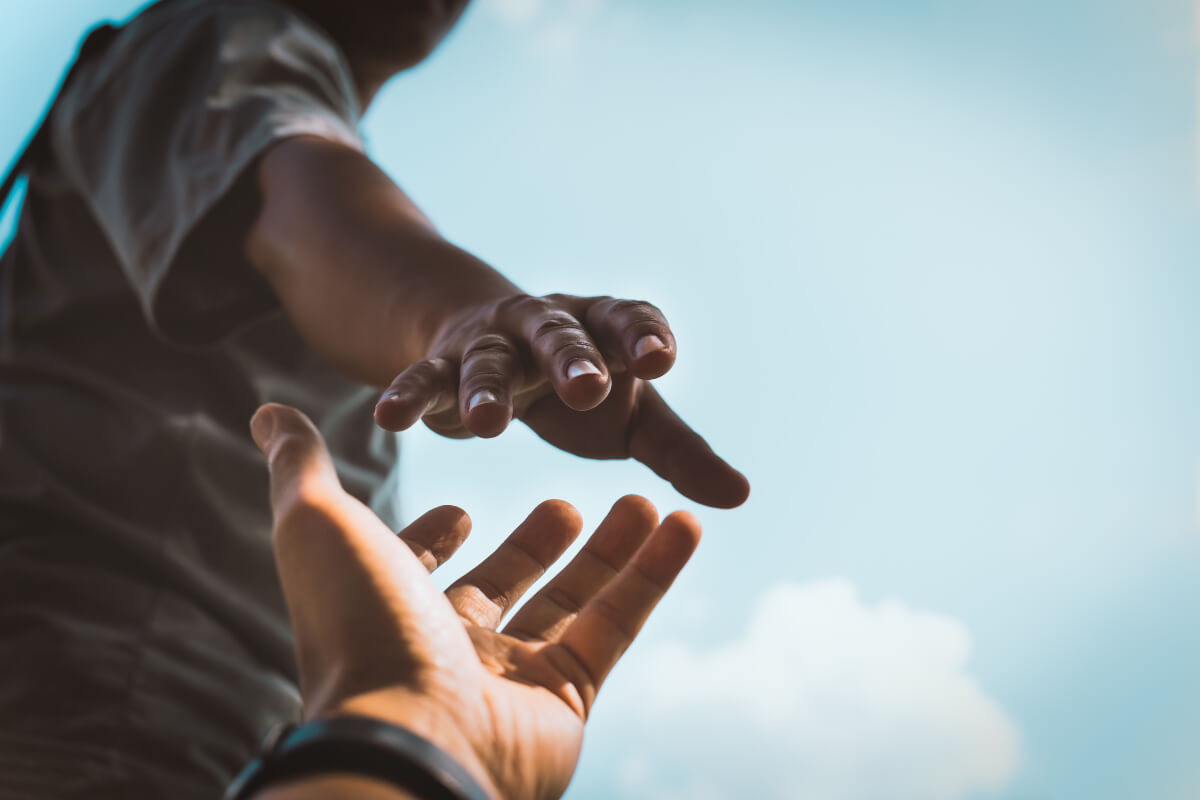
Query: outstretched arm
<point x="375" y="638"/>
<point x="336" y="787"/>
<point x="376" y="291"/>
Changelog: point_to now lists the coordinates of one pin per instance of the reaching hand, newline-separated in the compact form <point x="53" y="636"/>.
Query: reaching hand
<point x="374" y="637"/>
<point x="544" y="360"/>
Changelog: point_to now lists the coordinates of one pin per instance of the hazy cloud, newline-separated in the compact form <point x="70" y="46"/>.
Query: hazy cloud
<point x="556" y="28"/>
<point x="516" y="10"/>
<point x="824" y="698"/>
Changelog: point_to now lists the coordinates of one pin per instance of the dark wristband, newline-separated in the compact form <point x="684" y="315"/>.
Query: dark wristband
<point x="361" y="746"/>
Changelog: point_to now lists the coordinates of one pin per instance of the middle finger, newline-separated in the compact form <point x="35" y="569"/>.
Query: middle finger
<point x="562" y="349"/>
<point x="617" y="538"/>
<point x="485" y="594"/>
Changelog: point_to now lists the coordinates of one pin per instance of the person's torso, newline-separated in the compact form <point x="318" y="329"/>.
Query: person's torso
<point x="128" y="479"/>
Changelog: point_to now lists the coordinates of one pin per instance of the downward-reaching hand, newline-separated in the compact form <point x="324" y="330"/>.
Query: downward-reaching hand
<point x="577" y="370"/>
<point x="375" y="291"/>
<point x="374" y="637"/>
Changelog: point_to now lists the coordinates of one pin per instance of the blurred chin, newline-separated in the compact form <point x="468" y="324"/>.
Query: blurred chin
<point x="410" y="38"/>
<point x="401" y="32"/>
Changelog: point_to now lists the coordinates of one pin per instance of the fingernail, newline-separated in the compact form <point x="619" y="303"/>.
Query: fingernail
<point x="581" y="367"/>
<point x="262" y="427"/>
<point x="648" y="344"/>
<point x="480" y="397"/>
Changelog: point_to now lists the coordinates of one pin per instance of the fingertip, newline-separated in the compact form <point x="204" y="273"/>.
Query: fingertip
<point x="743" y="492"/>
<point x="560" y="513"/>
<point x="298" y="462"/>
<point x="272" y="422"/>
<point x="684" y="529"/>
<point x="487" y="416"/>
<point x="668" y="549"/>
<point x="548" y="531"/>
<point x="652" y="360"/>
<point x="623" y="530"/>
<point x="736" y="490"/>
<point x="718" y="485"/>
<point x="262" y="426"/>
<point x="448" y="517"/>
<point x="585" y="390"/>
<point x="636" y="507"/>
<point x="581" y="368"/>
<point x="452" y="526"/>
<point x="396" y="413"/>
<point x="648" y="344"/>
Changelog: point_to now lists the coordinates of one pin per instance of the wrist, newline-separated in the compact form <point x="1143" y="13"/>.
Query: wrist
<point x="467" y="287"/>
<point x="418" y="714"/>
<point x="343" y="751"/>
<point x="335" y="787"/>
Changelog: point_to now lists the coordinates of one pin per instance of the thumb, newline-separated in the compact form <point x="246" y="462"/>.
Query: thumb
<point x="664" y="442"/>
<point x="296" y="455"/>
<point x="360" y="602"/>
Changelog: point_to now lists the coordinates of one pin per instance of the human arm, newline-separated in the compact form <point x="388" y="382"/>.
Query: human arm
<point x="216" y="148"/>
<point x="373" y="636"/>
<point x="374" y="289"/>
<point x="336" y="787"/>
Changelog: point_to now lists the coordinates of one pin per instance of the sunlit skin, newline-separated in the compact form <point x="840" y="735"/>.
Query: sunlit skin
<point x="373" y="288"/>
<point x="373" y="635"/>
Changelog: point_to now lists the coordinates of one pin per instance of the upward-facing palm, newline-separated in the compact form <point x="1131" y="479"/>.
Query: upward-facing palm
<point x="375" y="637"/>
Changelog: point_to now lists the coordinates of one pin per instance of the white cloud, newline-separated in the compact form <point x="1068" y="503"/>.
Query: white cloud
<point x="557" y="29"/>
<point x="823" y="698"/>
<point x="516" y="10"/>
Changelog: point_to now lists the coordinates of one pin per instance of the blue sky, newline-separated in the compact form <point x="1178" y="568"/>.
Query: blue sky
<point x="932" y="269"/>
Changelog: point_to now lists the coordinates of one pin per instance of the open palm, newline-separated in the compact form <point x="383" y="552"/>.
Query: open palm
<point x="373" y="635"/>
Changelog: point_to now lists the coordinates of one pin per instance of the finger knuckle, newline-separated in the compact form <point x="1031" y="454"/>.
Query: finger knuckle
<point x="484" y="378"/>
<point x="562" y="599"/>
<point x="624" y="305"/>
<point x="521" y="306"/>
<point x="423" y="374"/>
<point x="558" y="329"/>
<point x="622" y="313"/>
<point x="601" y="301"/>
<point x="435" y="367"/>
<point x="617" y="617"/>
<point x="489" y="347"/>
<point x="289" y="452"/>
<point x="640" y="310"/>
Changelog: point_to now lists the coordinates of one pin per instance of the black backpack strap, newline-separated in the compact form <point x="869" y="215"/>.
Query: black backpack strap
<point x="96" y="40"/>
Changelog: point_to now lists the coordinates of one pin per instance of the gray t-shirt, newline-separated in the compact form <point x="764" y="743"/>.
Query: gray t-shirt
<point x="143" y="639"/>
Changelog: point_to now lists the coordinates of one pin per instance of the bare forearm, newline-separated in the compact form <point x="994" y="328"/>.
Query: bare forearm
<point x="363" y="275"/>
<point x="335" y="787"/>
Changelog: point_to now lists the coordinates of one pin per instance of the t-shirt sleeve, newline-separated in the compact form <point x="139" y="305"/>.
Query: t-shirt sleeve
<point x="157" y="136"/>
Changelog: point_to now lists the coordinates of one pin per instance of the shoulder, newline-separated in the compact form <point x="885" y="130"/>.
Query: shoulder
<point x="216" y="46"/>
